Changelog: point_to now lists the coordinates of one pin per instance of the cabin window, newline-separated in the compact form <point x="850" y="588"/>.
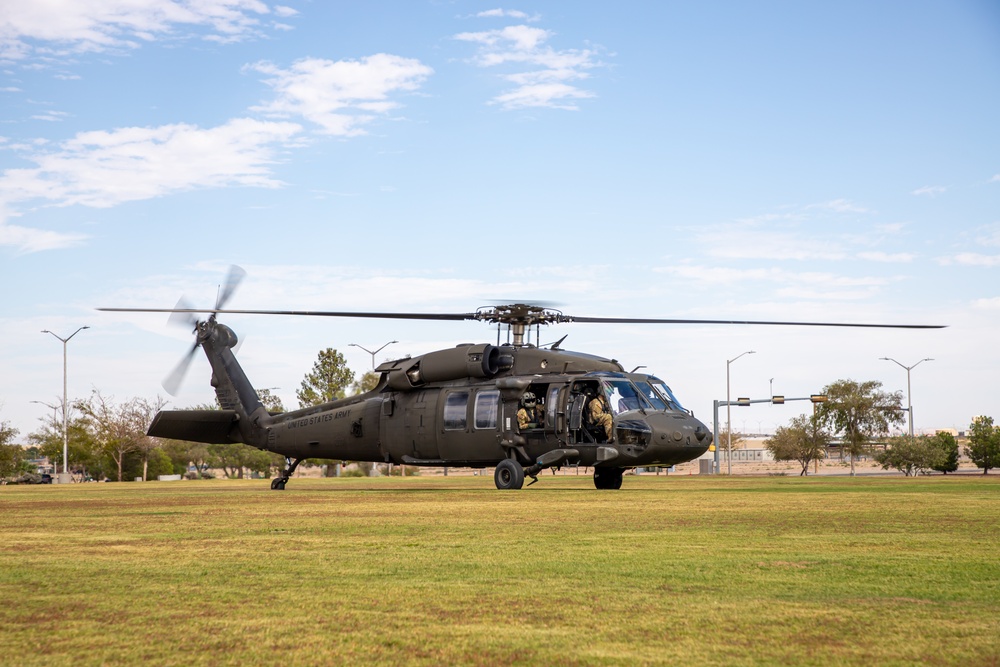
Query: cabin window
<point x="456" y="407"/>
<point x="487" y="407"/>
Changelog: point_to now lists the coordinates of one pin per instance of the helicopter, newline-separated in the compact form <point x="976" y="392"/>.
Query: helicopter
<point x="459" y="406"/>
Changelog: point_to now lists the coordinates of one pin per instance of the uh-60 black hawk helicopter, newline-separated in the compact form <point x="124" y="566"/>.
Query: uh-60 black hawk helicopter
<point x="459" y="406"/>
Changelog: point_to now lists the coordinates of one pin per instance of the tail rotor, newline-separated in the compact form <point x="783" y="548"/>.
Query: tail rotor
<point x="183" y="315"/>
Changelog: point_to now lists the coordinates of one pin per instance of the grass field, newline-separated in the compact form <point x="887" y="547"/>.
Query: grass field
<point x="669" y="570"/>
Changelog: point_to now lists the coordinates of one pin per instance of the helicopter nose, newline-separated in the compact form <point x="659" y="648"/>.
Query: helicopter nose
<point x="679" y="437"/>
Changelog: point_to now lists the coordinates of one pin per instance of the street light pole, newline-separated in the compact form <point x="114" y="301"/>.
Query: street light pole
<point x="66" y="340"/>
<point x="729" y="423"/>
<point x="375" y="352"/>
<point x="909" y="404"/>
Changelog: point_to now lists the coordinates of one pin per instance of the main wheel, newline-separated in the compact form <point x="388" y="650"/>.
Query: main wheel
<point x="277" y="484"/>
<point x="608" y="478"/>
<point x="509" y="475"/>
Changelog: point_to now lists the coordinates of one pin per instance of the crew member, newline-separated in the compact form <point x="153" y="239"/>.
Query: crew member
<point x="530" y="415"/>
<point x="599" y="414"/>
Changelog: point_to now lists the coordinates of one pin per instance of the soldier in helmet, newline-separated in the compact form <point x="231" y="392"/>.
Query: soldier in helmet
<point x="598" y="413"/>
<point x="530" y="415"/>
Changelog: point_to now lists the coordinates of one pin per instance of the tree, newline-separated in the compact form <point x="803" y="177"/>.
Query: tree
<point x="328" y="380"/>
<point x="804" y="440"/>
<point x="910" y="456"/>
<point x="365" y="383"/>
<point x="860" y="413"/>
<point x="984" y="444"/>
<point x="7" y="433"/>
<point x="84" y="456"/>
<point x="11" y="455"/>
<point x="948" y="446"/>
<point x="270" y="401"/>
<point x="120" y="429"/>
<point x="737" y="441"/>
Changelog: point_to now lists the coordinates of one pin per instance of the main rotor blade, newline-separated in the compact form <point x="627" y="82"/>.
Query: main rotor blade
<point x="554" y="319"/>
<point x="647" y="320"/>
<point x="316" y="313"/>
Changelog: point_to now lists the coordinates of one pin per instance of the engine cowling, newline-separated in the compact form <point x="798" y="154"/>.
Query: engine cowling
<point x="465" y="361"/>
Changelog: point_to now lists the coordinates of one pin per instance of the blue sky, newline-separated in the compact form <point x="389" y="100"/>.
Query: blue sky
<point x="729" y="160"/>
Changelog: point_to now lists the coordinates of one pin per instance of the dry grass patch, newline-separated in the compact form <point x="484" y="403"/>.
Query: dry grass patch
<point x="448" y="570"/>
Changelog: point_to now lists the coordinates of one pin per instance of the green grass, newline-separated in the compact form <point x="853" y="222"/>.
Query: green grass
<point x="669" y="570"/>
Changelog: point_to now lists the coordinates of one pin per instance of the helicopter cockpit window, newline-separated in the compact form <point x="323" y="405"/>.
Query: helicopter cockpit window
<point x="456" y="407"/>
<point x="623" y="396"/>
<point x="647" y="390"/>
<point x="661" y="387"/>
<point x="487" y="405"/>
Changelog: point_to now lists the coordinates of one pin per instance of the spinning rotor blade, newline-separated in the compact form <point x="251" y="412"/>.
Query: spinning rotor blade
<point x="647" y="320"/>
<point x="233" y="280"/>
<point x="182" y="315"/>
<point x="172" y="382"/>
<point x="525" y="317"/>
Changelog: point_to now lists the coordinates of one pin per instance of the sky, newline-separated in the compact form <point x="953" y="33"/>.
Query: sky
<point x="722" y="160"/>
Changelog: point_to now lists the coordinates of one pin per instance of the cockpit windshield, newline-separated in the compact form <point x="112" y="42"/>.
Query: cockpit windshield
<point x="623" y="396"/>
<point x="664" y="391"/>
<point x="655" y="399"/>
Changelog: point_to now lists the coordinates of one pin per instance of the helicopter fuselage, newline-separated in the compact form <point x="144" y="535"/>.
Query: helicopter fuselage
<point x="458" y="407"/>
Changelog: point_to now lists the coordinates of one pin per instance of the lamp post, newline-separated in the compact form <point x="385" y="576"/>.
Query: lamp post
<point x="375" y="352"/>
<point x="729" y="422"/>
<point x="64" y="478"/>
<point x="909" y="404"/>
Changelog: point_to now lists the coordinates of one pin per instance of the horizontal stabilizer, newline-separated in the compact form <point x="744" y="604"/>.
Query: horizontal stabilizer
<point x="208" y="426"/>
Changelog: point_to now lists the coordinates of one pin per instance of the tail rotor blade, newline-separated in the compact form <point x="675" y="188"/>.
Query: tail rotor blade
<point x="233" y="280"/>
<point x="173" y="381"/>
<point x="187" y="320"/>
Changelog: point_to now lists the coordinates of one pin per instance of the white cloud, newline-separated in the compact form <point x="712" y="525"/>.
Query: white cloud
<point x="749" y="241"/>
<point x="989" y="235"/>
<point x="51" y="116"/>
<point x="340" y="96"/>
<point x="501" y="13"/>
<point x="553" y="95"/>
<point x="879" y="256"/>
<point x="105" y="168"/>
<point x="798" y="282"/>
<point x="542" y="73"/>
<point x="840" y="206"/>
<point x="987" y="304"/>
<point x="27" y="240"/>
<point x="930" y="190"/>
<point x="970" y="259"/>
<point x="100" y="25"/>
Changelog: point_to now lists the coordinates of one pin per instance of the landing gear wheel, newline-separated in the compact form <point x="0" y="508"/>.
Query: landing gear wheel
<point x="278" y="484"/>
<point x="509" y="475"/>
<point x="608" y="478"/>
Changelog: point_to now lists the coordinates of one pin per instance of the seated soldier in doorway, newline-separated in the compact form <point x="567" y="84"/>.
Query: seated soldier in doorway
<point x="530" y="415"/>
<point x="599" y="414"/>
